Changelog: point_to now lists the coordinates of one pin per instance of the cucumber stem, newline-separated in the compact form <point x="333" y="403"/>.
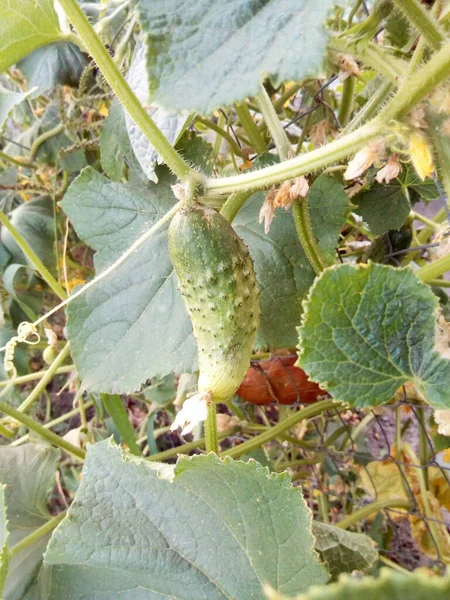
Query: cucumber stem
<point x="212" y="442"/>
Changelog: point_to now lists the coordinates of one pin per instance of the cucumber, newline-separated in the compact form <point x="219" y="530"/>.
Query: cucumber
<point x="218" y="284"/>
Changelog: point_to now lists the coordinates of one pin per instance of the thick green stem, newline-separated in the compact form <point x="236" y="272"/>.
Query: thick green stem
<point x="39" y="533"/>
<point x="51" y="437"/>
<point x="234" y="204"/>
<point x="37" y="391"/>
<point x="123" y="91"/>
<point x="300" y="165"/>
<point x="38" y="375"/>
<point x="346" y="107"/>
<point x="212" y="442"/>
<point x="421" y="19"/>
<point x="434" y="269"/>
<point x="306" y="235"/>
<point x="277" y="132"/>
<point x="251" y="128"/>
<point x="276" y="430"/>
<point x="33" y="257"/>
<point x="369" y="509"/>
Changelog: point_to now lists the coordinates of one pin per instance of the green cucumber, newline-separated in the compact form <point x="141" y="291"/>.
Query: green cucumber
<point x="218" y="284"/>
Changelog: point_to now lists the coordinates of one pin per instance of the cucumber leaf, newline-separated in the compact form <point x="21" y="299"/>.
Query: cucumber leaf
<point x="24" y="26"/>
<point x="191" y="531"/>
<point x="210" y="53"/>
<point x="28" y="474"/>
<point x="369" y="329"/>
<point x="390" y="585"/>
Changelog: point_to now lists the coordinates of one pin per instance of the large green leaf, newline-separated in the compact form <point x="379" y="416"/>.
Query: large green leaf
<point x="343" y="551"/>
<point x="24" y="26"/>
<point x="170" y="123"/>
<point x="389" y="586"/>
<point x="367" y="330"/>
<point x="28" y="472"/>
<point x="209" y="53"/>
<point x="34" y="220"/>
<point x="205" y="529"/>
<point x="133" y="324"/>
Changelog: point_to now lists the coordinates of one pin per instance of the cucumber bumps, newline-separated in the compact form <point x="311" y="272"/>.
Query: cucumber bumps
<point x="217" y="281"/>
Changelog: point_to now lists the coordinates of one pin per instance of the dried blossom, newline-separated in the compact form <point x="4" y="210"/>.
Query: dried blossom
<point x="299" y="188"/>
<point x="267" y="211"/>
<point x="390" y="170"/>
<point x="364" y="159"/>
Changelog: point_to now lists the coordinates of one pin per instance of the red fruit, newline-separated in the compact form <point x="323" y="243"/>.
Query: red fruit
<point x="278" y="380"/>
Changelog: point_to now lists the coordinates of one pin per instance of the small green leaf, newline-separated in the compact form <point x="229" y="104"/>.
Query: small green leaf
<point x="115" y="147"/>
<point x="383" y="207"/>
<point x="119" y="415"/>
<point x="61" y="63"/>
<point x="417" y="189"/>
<point x="28" y="473"/>
<point x="367" y="330"/>
<point x="24" y="26"/>
<point x="34" y="220"/>
<point x="195" y="531"/>
<point x="161" y="391"/>
<point x="343" y="551"/>
<point x="8" y="100"/>
<point x="390" y="585"/>
<point x="210" y="53"/>
<point x="197" y="152"/>
<point x="328" y="210"/>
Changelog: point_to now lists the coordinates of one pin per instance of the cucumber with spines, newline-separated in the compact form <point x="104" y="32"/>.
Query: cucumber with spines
<point x="218" y="284"/>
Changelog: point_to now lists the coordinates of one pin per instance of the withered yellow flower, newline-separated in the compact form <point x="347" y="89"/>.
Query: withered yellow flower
<point x="421" y="155"/>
